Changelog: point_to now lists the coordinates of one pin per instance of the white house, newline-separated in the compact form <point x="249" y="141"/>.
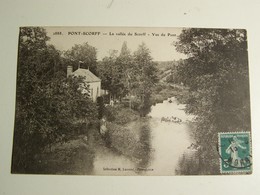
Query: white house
<point x="90" y="79"/>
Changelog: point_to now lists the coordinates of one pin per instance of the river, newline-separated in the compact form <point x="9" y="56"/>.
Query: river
<point x="168" y="142"/>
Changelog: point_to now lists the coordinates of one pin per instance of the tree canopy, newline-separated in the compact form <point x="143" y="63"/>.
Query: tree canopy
<point x="129" y="74"/>
<point x="145" y="72"/>
<point x="83" y="55"/>
<point x="216" y="72"/>
<point x="49" y="106"/>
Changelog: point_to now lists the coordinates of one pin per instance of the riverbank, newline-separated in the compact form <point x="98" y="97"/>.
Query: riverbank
<point x="126" y="132"/>
<point x="74" y="156"/>
<point x="195" y="160"/>
<point x="147" y="141"/>
<point x="163" y="91"/>
<point x="128" y="137"/>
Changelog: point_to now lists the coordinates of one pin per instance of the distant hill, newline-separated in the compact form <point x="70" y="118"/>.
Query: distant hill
<point x="166" y="65"/>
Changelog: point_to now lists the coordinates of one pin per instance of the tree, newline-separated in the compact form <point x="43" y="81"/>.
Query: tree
<point x="32" y="75"/>
<point x="216" y="73"/>
<point x="124" y="65"/>
<point x="145" y="72"/>
<point x="108" y="73"/>
<point x="115" y="72"/>
<point x="127" y="75"/>
<point x="49" y="106"/>
<point x="84" y="55"/>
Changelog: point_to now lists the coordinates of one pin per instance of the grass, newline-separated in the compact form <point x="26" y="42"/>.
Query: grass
<point x="126" y="132"/>
<point x="73" y="157"/>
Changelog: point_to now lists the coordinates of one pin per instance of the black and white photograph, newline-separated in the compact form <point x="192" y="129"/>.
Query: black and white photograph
<point x="132" y="101"/>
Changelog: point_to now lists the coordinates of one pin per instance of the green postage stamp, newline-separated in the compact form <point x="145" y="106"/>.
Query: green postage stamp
<point x="235" y="152"/>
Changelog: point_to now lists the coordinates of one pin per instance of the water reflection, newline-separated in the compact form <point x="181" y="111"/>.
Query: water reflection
<point x="163" y="143"/>
<point x="145" y="150"/>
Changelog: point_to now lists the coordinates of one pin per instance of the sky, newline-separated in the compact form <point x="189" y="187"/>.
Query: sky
<point x="104" y="39"/>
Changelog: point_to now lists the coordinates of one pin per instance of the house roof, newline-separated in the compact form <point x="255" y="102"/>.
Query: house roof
<point x="89" y="76"/>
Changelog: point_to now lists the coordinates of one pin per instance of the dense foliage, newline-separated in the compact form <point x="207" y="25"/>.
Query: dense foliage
<point x="216" y="72"/>
<point x="83" y="55"/>
<point x="131" y="76"/>
<point x="145" y="77"/>
<point x="49" y="106"/>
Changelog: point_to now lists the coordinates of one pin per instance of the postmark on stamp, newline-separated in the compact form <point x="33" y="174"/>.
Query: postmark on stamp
<point x="235" y="152"/>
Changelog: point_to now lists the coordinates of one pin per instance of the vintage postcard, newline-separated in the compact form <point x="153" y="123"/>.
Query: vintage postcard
<point x="132" y="101"/>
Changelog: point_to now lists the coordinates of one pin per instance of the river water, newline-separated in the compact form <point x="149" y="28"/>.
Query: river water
<point x="168" y="142"/>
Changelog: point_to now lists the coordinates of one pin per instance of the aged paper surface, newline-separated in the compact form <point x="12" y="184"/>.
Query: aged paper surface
<point x="132" y="101"/>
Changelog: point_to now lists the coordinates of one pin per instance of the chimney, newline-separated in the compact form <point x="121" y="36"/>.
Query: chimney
<point x="80" y="62"/>
<point x="69" y="70"/>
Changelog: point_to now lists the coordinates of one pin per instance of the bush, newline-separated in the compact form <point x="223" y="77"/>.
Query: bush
<point x="110" y="113"/>
<point x="120" y="115"/>
<point x="131" y="141"/>
<point x="72" y="157"/>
